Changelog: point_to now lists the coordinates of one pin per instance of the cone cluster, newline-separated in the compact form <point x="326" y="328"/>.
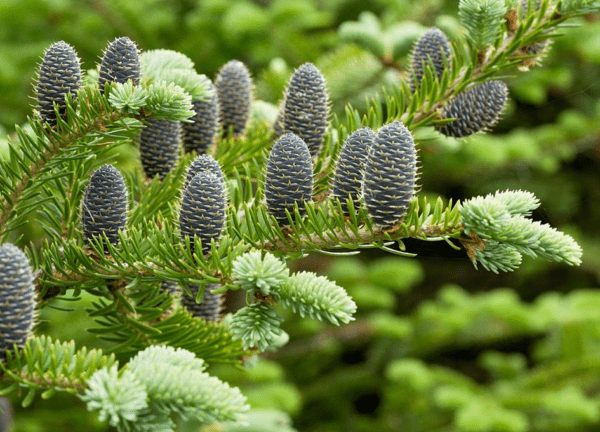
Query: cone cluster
<point x="58" y="75"/>
<point x="199" y="135"/>
<point x="17" y="298"/>
<point x="234" y="92"/>
<point x="104" y="209"/>
<point x="120" y="62"/>
<point x="289" y="177"/>
<point x="476" y="109"/>
<point x="159" y="147"/>
<point x="390" y="175"/>
<point x="306" y="107"/>
<point x="347" y="182"/>
<point x="432" y="46"/>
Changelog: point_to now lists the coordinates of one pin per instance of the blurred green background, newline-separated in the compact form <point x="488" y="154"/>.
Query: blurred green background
<point x="437" y="345"/>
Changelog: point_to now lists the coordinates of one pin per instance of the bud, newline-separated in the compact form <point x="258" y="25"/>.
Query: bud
<point x="306" y="107"/>
<point x="476" y="109"/>
<point x="59" y="74"/>
<point x="390" y="175"/>
<point x="203" y="209"/>
<point x="17" y="298"/>
<point x="198" y="136"/>
<point x="289" y="177"/>
<point x="434" y="46"/>
<point x="349" y="172"/>
<point x="234" y="91"/>
<point x="120" y="63"/>
<point x="104" y="209"/>
<point x="159" y="147"/>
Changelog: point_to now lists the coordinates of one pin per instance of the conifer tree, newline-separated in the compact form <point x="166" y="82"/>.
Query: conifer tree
<point x="158" y="245"/>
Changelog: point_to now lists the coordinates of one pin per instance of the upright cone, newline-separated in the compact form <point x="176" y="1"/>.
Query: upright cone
<point x="104" y="209"/>
<point x="289" y="178"/>
<point x="17" y="298"/>
<point x="234" y="91"/>
<point x="390" y="175"/>
<point x="59" y="74"/>
<point x="120" y="62"/>
<point x="347" y="182"/>
<point x="306" y="107"/>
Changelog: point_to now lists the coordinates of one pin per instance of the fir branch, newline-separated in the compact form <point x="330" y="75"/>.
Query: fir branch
<point x="45" y="364"/>
<point x="90" y="117"/>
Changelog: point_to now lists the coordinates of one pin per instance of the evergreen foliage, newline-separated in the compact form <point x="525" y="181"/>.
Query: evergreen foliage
<point x="147" y="256"/>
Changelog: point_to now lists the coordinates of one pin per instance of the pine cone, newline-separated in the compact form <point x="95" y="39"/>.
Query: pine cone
<point x="203" y="163"/>
<point x="390" y="175"/>
<point x="159" y="147"/>
<point x="476" y="109"/>
<point x="121" y="62"/>
<point x="17" y="298"/>
<point x="432" y="45"/>
<point x="306" y="108"/>
<point x="198" y="136"/>
<point x="59" y="74"/>
<point x="289" y="178"/>
<point x="234" y="91"/>
<point x="104" y="207"/>
<point x="209" y="309"/>
<point x="203" y="209"/>
<point x="350" y="166"/>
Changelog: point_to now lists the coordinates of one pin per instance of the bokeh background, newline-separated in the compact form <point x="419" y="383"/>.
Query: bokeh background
<point x="437" y="344"/>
